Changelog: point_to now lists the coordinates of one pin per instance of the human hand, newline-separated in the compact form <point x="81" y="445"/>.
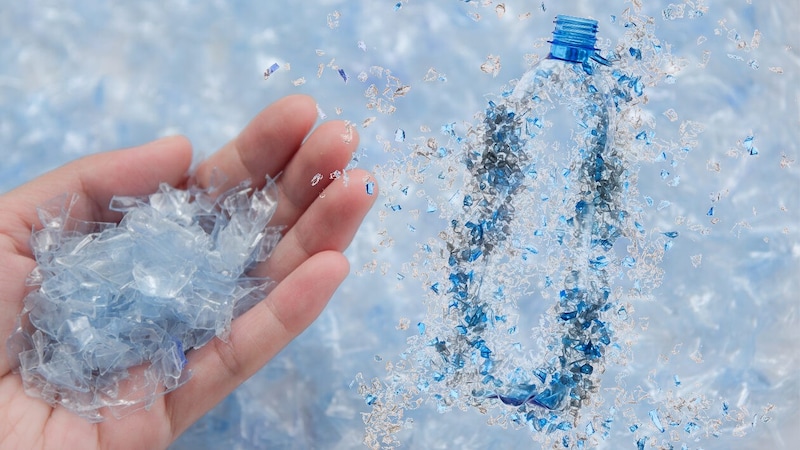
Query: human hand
<point x="308" y="264"/>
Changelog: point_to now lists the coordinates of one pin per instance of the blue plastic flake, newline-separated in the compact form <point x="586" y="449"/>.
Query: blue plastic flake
<point x="710" y="211"/>
<point x="370" y="186"/>
<point x="635" y="52"/>
<point x="343" y="75"/>
<point x="271" y="69"/>
<point x="399" y="135"/>
<point x="628" y="261"/>
<point x="748" y="145"/>
<point x="169" y="277"/>
<point x="671" y="234"/>
<point x="398" y="5"/>
<point x="677" y="380"/>
<point x="421" y="328"/>
<point x="656" y="420"/>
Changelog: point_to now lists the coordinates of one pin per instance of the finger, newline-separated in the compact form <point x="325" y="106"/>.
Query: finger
<point x="265" y="146"/>
<point x="329" y="149"/>
<point x="96" y="178"/>
<point x="256" y="337"/>
<point x="329" y="223"/>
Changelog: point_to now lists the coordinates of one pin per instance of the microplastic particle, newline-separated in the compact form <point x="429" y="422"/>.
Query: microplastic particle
<point x="316" y="179"/>
<point x="401" y="91"/>
<point x="656" y="420"/>
<point x="270" y="70"/>
<point x="677" y="380"/>
<point x="748" y="145"/>
<point x="333" y="19"/>
<point x="343" y="75"/>
<point x="370" y="186"/>
<point x="397" y="6"/>
<point x="697" y="260"/>
<point x="491" y="65"/>
<point x="673" y="12"/>
<point x="362" y="46"/>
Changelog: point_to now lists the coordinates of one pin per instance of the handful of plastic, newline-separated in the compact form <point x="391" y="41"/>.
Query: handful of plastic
<point x="117" y="305"/>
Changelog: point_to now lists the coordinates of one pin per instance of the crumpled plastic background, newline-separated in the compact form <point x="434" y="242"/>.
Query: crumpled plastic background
<point x="78" y="78"/>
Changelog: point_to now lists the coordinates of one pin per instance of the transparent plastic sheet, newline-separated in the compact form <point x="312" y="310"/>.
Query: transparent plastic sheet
<point x="722" y="324"/>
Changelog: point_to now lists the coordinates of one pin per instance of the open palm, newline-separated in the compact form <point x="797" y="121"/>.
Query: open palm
<point x="307" y="263"/>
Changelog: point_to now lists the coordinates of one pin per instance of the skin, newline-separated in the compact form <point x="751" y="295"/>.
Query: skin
<point x="307" y="264"/>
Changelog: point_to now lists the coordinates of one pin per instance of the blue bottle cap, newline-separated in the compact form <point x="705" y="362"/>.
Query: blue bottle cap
<point x="574" y="40"/>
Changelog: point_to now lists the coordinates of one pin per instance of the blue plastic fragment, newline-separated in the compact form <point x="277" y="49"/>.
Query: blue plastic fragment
<point x="271" y="69"/>
<point x="656" y="420"/>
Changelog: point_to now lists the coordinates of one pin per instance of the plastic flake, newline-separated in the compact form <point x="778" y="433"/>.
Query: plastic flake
<point x="116" y="306"/>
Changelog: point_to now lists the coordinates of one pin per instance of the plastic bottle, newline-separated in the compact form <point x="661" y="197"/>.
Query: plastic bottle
<point x="545" y="171"/>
